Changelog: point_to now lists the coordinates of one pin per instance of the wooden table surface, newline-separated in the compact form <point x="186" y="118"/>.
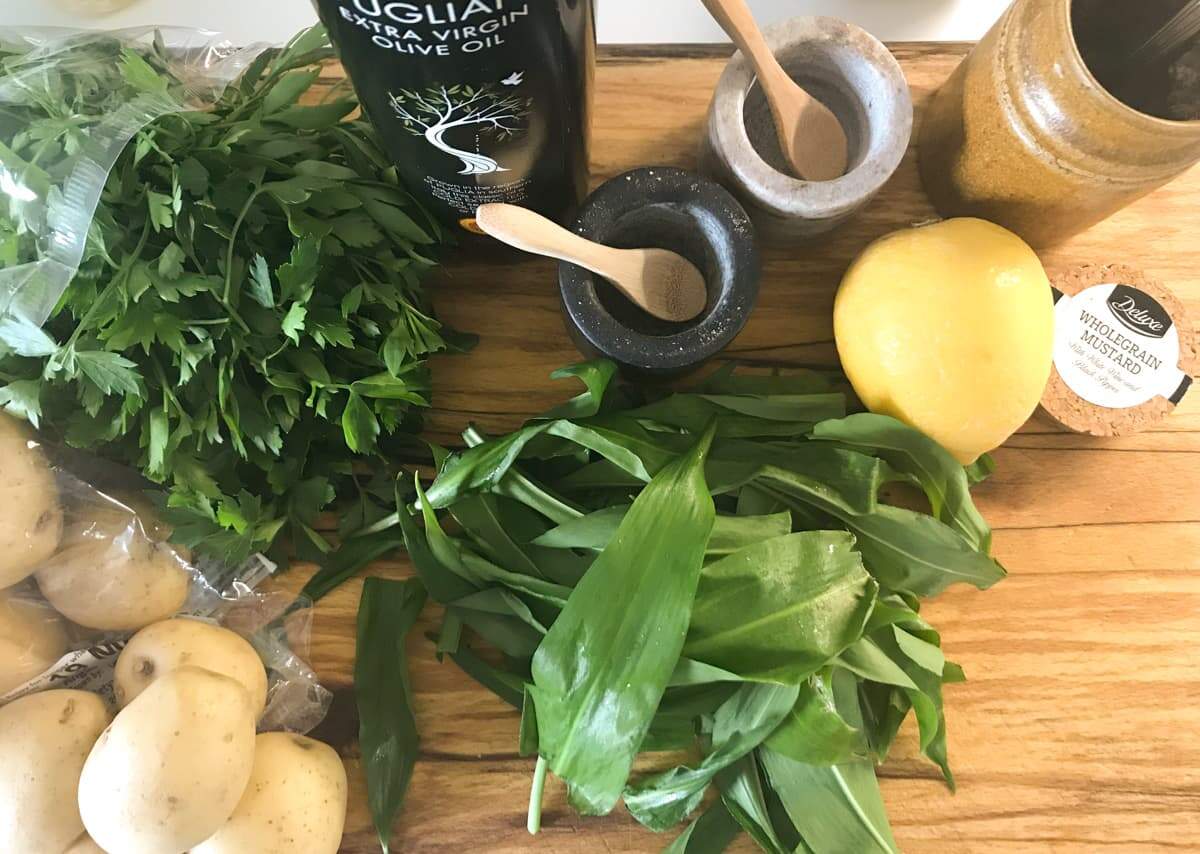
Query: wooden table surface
<point x="1079" y="730"/>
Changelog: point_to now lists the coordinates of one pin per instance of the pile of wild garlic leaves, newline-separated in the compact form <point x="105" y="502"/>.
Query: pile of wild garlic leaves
<point x="709" y="571"/>
<point x="248" y="321"/>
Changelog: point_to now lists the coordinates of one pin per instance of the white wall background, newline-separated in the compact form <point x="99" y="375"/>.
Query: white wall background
<point x="619" y="20"/>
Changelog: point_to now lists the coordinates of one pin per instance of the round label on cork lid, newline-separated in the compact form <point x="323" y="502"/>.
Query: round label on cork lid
<point x="1124" y="351"/>
<point x="1117" y="347"/>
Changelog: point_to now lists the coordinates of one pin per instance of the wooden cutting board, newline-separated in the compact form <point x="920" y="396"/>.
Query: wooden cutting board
<point x="1079" y="730"/>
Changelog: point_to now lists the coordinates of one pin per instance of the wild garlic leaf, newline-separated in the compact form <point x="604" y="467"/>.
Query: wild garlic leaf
<point x="945" y="481"/>
<point x="780" y="609"/>
<point x="589" y="734"/>
<point x="387" y="729"/>
<point x="740" y="725"/>
<point x="834" y="807"/>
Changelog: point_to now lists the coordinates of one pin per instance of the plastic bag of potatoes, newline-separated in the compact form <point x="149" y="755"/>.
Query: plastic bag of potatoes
<point x="85" y="562"/>
<point x="180" y="768"/>
<point x="138" y="687"/>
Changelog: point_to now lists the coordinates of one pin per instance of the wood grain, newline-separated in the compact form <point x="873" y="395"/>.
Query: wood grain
<point x="1079" y="730"/>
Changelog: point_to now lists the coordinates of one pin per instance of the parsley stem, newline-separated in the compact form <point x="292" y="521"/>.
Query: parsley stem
<point x="237" y="226"/>
<point x="121" y="276"/>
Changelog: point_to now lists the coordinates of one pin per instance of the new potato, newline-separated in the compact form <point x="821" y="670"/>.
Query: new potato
<point x="32" y="637"/>
<point x="172" y="767"/>
<point x="44" y="740"/>
<point x="32" y="519"/>
<point x="171" y="644"/>
<point x="949" y="328"/>
<point x="295" y="802"/>
<point x="85" y="845"/>
<point x="111" y="575"/>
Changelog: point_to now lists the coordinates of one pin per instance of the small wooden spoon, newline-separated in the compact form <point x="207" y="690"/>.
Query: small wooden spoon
<point x="662" y="283"/>
<point x="812" y="138"/>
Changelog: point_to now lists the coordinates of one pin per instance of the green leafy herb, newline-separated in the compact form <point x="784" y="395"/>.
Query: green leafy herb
<point x="387" y="730"/>
<point x="647" y="577"/>
<point x="712" y="570"/>
<point x="248" y="318"/>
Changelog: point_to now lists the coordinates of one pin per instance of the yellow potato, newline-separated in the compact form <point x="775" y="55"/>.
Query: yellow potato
<point x="111" y="575"/>
<point x="32" y="637"/>
<point x="949" y="328"/>
<point x="172" y="767"/>
<point x="85" y="845"/>
<point x="166" y="646"/>
<point x="44" y="740"/>
<point x="32" y="518"/>
<point x="295" y="802"/>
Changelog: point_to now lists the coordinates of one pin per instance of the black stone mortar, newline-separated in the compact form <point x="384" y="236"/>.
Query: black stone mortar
<point x="665" y="208"/>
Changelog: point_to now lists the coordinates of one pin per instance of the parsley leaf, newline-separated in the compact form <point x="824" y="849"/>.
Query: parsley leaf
<point x="248" y="320"/>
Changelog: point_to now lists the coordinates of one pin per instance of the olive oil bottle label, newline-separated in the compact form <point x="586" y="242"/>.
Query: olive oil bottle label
<point x="1117" y="347"/>
<point x="476" y="100"/>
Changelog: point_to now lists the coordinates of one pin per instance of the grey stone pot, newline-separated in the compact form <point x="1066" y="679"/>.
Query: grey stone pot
<point x="851" y="72"/>
<point x="672" y="209"/>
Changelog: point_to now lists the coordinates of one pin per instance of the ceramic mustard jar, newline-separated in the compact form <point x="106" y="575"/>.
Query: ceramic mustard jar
<point x="1023" y="133"/>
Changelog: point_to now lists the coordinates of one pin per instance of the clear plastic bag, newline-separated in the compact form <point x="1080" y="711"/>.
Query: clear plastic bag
<point x="70" y="102"/>
<point x="113" y="572"/>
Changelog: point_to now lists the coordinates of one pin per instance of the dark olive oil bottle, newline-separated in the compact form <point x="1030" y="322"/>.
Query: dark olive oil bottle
<point x="476" y="100"/>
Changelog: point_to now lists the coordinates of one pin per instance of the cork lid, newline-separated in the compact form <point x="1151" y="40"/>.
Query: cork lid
<point x="1125" y="351"/>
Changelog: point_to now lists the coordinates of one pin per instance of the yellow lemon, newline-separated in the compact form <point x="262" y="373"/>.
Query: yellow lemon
<point x="949" y="328"/>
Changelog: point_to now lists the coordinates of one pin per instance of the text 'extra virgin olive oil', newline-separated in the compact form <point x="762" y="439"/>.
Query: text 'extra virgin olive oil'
<point x="477" y="101"/>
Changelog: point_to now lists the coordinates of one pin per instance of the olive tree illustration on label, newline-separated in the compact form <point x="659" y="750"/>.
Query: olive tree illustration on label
<point x="476" y="101"/>
<point x="438" y="111"/>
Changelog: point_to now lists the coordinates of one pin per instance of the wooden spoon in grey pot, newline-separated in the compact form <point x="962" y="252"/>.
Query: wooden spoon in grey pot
<point x="660" y="282"/>
<point x="812" y="138"/>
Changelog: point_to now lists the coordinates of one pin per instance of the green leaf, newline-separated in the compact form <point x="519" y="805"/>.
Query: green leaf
<point x="296" y="277"/>
<point x="385" y="386"/>
<point x="293" y="322"/>
<point x="261" y="290"/>
<point x="730" y="533"/>
<point x="351" y="557"/>
<point x="917" y="554"/>
<point x="739" y="726"/>
<point x="324" y="169"/>
<point x="21" y="336"/>
<point x="140" y="75"/>
<point x="170" y="263"/>
<point x="588" y="733"/>
<point x="387" y="729"/>
<point x="909" y="451"/>
<point x="319" y="117"/>
<point x="780" y="609"/>
<point x="22" y="399"/>
<point x="711" y="833"/>
<point x="193" y="177"/>
<point x="397" y="222"/>
<point x="112" y="373"/>
<point x="742" y="795"/>
<point x="814" y="732"/>
<point x="160" y="430"/>
<point x="288" y="89"/>
<point x="360" y="425"/>
<point x="836" y="807"/>
<point x="161" y="209"/>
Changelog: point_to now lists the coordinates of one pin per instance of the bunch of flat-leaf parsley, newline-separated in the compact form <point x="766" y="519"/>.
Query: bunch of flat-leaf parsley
<point x="248" y="319"/>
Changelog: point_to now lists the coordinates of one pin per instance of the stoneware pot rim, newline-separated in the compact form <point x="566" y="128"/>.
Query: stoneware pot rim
<point x="1092" y="80"/>
<point x="816" y="198"/>
<point x="695" y="344"/>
